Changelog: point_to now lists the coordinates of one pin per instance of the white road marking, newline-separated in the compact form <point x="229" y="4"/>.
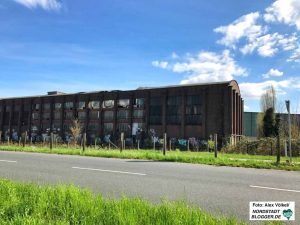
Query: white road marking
<point x="109" y="171"/>
<point x="8" y="161"/>
<point x="276" y="189"/>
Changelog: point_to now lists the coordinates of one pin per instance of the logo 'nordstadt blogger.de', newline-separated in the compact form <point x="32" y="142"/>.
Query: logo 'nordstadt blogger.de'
<point x="272" y="211"/>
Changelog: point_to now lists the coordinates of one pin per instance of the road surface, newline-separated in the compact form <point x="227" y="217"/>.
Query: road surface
<point x="219" y="190"/>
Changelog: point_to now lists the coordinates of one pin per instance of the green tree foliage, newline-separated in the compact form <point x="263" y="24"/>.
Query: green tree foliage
<point x="269" y="127"/>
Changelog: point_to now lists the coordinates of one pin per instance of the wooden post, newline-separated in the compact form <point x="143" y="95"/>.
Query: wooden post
<point x="165" y="143"/>
<point x="24" y="138"/>
<point x="122" y="141"/>
<point x="51" y="141"/>
<point x="216" y="145"/>
<point x="278" y="137"/>
<point x="84" y="141"/>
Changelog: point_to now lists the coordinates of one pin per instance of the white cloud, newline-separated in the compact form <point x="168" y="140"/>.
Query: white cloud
<point x="295" y="57"/>
<point x="268" y="45"/>
<point x="174" y="55"/>
<point x="160" y="64"/>
<point x="273" y="73"/>
<point x="244" y="27"/>
<point x="284" y="11"/>
<point x="255" y="90"/>
<point x="209" y="67"/>
<point x="49" y="5"/>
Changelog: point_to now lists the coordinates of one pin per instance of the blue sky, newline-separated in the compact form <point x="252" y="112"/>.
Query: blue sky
<point x="75" y="45"/>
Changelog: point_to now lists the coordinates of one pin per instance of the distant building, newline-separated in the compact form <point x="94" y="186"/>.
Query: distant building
<point x="250" y="122"/>
<point x="183" y="111"/>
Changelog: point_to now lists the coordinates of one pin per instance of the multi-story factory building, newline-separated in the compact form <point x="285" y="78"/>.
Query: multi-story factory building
<point x="183" y="111"/>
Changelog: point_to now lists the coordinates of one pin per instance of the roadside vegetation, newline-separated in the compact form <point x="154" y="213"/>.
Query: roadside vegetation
<point x="223" y="159"/>
<point x="29" y="204"/>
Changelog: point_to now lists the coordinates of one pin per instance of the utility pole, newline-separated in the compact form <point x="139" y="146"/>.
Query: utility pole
<point x="288" y="107"/>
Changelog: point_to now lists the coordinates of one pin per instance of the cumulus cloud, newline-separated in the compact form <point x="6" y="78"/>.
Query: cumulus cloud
<point x="273" y="73"/>
<point x="244" y="27"/>
<point x="268" y="45"/>
<point x="295" y="57"/>
<point x="255" y="90"/>
<point x="48" y="5"/>
<point x="160" y="64"/>
<point x="284" y="11"/>
<point x="208" y="67"/>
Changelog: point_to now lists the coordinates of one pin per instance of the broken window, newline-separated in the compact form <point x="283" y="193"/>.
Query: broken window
<point x="36" y="107"/>
<point x="94" y="104"/>
<point x="69" y="105"/>
<point x="81" y="105"/>
<point x="107" y="104"/>
<point x="57" y="105"/>
<point x="139" y="103"/>
<point x="123" y="103"/>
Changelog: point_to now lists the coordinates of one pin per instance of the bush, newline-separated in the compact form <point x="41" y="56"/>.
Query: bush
<point x="262" y="146"/>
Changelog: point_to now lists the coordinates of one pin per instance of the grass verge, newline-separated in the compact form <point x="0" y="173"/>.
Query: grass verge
<point x="32" y="204"/>
<point x="235" y="160"/>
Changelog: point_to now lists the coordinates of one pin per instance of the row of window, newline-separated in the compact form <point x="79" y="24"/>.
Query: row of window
<point x="107" y="127"/>
<point x="121" y="103"/>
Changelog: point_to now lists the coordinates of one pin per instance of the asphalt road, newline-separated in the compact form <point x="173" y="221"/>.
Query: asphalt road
<point x="220" y="190"/>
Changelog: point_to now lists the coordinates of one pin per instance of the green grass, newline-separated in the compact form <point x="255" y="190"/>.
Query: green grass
<point x="224" y="159"/>
<point x="32" y="204"/>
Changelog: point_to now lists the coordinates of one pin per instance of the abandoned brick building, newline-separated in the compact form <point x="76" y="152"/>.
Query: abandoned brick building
<point x="183" y="111"/>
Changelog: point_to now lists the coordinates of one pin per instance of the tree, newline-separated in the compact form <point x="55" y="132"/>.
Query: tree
<point x="75" y="129"/>
<point x="266" y="120"/>
<point x="269" y="123"/>
<point x="268" y="99"/>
